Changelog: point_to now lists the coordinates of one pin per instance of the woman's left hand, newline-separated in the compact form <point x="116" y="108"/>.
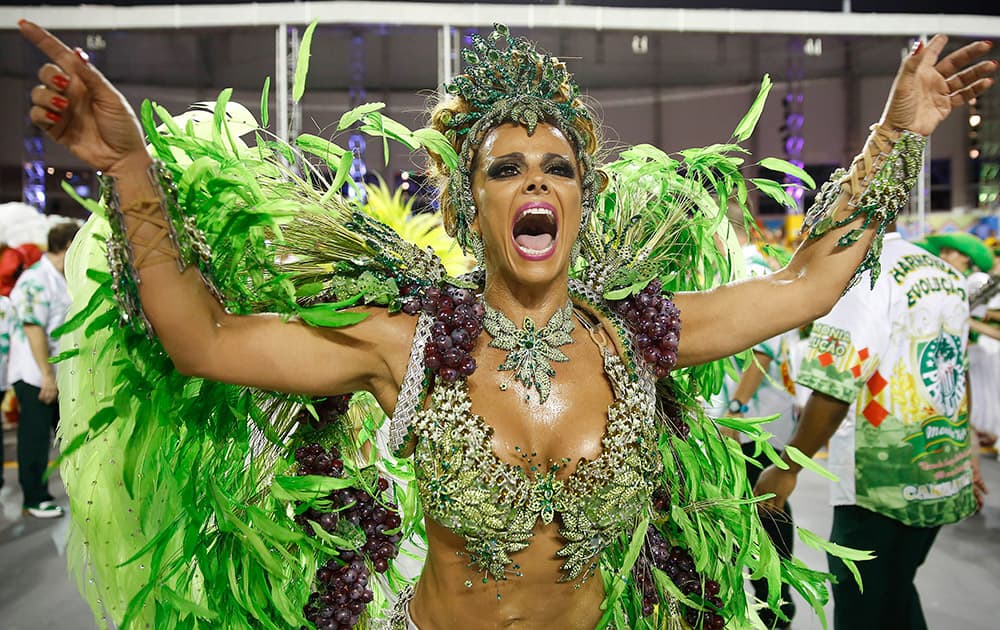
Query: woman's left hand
<point x="926" y="89"/>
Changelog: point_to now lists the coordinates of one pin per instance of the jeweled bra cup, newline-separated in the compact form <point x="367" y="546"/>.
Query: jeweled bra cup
<point x="495" y="505"/>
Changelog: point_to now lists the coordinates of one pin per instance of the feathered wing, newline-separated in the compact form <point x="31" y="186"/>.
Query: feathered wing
<point x="185" y="492"/>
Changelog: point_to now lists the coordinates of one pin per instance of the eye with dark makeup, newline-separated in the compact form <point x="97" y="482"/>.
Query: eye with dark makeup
<point x="503" y="169"/>
<point x="560" y="166"/>
<point x="556" y="165"/>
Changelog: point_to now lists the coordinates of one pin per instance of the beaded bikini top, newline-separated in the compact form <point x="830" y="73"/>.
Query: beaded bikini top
<point x="495" y="505"/>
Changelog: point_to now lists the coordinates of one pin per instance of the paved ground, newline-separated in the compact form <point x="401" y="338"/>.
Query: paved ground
<point x="959" y="584"/>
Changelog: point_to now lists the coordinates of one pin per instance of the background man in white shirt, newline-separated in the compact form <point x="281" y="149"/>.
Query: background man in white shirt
<point x="887" y="367"/>
<point x="40" y="301"/>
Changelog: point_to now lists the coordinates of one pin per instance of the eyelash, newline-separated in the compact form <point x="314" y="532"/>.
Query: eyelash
<point x="510" y="169"/>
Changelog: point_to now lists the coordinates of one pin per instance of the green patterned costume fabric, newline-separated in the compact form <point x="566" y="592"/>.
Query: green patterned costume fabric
<point x="185" y="498"/>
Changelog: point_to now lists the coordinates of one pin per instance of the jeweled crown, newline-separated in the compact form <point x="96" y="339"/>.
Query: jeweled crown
<point x="514" y="72"/>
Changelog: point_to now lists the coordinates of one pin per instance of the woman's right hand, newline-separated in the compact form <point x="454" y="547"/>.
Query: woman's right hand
<point x="79" y="108"/>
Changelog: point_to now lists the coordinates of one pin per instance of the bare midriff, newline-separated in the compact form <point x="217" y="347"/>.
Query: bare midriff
<point x="450" y="594"/>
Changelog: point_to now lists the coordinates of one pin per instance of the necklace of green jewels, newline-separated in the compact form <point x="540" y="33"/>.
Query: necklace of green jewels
<point x="530" y="349"/>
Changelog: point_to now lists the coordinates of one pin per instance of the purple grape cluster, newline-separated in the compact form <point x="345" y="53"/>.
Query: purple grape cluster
<point x="342" y="595"/>
<point x="661" y="500"/>
<point x="643" y="577"/>
<point x="677" y="563"/>
<point x="458" y="322"/>
<point x="329" y="410"/>
<point x="673" y="412"/>
<point x="656" y="323"/>
<point x="342" y="582"/>
<point x="316" y="460"/>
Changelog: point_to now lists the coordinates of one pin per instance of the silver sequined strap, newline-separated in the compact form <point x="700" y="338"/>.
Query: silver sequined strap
<point x="883" y="191"/>
<point x="412" y="389"/>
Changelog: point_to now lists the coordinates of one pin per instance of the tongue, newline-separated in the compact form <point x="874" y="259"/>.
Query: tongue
<point x="537" y="242"/>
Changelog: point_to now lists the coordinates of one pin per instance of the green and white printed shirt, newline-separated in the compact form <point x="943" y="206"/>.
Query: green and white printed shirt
<point x="898" y="354"/>
<point x="40" y="297"/>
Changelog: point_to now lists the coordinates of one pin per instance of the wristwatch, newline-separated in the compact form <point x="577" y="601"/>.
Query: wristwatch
<point x="736" y="406"/>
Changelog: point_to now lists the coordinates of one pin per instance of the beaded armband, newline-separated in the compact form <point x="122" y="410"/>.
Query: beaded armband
<point x="126" y="254"/>
<point x="878" y="184"/>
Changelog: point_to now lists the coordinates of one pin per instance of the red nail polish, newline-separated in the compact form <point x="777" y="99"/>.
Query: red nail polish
<point x="22" y="22"/>
<point x="59" y="102"/>
<point x="60" y="81"/>
<point x="84" y="57"/>
<point x="54" y="117"/>
<point x="917" y="48"/>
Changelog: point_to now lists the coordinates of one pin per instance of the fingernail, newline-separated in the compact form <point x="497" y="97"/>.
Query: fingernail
<point x="60" y="81"/>
<point x="82" y="54"/>
<point x="22" y="22"/>
<point x="54" y="117"/>
<point x="917" y="47"/>
<point x="59" y="102"/>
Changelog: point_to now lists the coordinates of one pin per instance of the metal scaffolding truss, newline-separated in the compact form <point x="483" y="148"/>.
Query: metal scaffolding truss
<point x="514" y="15"/>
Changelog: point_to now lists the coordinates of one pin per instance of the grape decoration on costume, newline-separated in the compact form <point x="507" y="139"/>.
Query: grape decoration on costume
<point x="656" y="324"/>
<point x="458" y="322"/>
<point x="679" y="566"/>
<point x="342" y="582"/>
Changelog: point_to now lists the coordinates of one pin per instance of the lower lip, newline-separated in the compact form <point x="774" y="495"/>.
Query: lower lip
<point x="531" y="254"/>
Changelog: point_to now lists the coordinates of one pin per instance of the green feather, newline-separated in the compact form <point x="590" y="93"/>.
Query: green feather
<point x="784" y="166"/>
<point x="749" y="121"/>
<point x="302" y="63"/>
<point x="801" y="459"/>
<point x="265" y="98"/>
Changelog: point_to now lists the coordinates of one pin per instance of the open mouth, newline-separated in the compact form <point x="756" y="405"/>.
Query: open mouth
<point x="534" y="231"/>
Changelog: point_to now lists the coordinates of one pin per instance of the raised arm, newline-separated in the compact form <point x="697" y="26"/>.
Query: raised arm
<point x="80" y="109"/>
<point x="736" y="316"/>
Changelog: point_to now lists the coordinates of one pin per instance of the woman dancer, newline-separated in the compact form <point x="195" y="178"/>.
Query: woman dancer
<point x="535" y="447"/>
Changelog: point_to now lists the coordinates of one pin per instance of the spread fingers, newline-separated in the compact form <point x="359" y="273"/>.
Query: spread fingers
<point x="970" y="92"/>
<point x="970" y="75"/>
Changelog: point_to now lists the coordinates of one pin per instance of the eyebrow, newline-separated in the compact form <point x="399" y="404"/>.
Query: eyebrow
<point x="517" y="155"/>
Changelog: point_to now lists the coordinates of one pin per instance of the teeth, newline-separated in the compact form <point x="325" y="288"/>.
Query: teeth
<point x="538" y="211"/>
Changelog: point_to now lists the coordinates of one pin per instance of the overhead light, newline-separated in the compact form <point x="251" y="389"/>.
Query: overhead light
<point x="974" y="120"/>
<point x="640" y="44"/>
<point x="974" y="153"/>
<point x="95" y="41"/>
<point x="50" y="170"/>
